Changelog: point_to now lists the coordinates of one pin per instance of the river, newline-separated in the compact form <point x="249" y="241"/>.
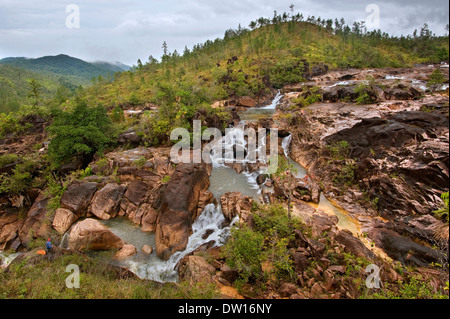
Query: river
<point x="223" y="179"/>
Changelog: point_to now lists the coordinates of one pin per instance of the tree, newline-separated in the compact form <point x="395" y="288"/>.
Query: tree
<point x="291" y="7"/>
<point x="81" y="132"/>
<point x="165" y="49"/>
<point x="35" y="92"/>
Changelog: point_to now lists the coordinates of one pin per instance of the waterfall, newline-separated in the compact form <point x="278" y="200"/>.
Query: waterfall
<point x="6" y="260"/>
<point x="210" y="220"/>
<point x="274" y="103"/>
<point x="286" y="144"/>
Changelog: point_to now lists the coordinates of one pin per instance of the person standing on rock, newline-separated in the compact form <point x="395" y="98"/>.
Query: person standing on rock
<point x="49" y="246"/>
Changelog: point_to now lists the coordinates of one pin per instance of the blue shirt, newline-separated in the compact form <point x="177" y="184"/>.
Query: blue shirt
<point x="48" y="245"/>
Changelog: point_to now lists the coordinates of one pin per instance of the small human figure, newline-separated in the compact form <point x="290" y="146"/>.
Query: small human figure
<point x="49" y="246"/>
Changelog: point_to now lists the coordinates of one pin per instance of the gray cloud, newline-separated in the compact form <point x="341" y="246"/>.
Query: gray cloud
<point x="128" y="30"/>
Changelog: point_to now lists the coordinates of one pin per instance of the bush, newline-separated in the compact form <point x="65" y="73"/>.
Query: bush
<point x="443" y="212"/>
<point x="244" y="251"/>
<point x="435" y="80"/>
<point x="9" y="124"/>
<point x="21" y="178"/>
<point x="339" y="150"/>
<point x="82" y="132"/>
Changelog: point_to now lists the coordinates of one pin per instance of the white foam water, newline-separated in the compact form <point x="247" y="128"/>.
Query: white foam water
<point x="211" y="221"/>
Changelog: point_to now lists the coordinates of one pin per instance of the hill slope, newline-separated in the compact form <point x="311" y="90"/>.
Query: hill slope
<point x="252" y="63"/>
<point x="77" y="70"/>
<point x="58" y="75"/>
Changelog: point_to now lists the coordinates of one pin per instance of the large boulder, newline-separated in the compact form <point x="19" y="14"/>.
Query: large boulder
<point x="37" y="223"/>
<point x="234" y="204"/>
<point x="136" y="192"/>
<point x="63" y="220"/>
<point x="10" y="225"/>
<point x="246" y="101"/>
<point x="77" y="197"/>
<point x="179" y="208"/>
<point x="106" y="201"/>
<point x="403" y="248"/>
<point x="196" y="269"/>
<point x="126" y="251"/>
<point x="90" y="234"/>
<point x="353" y="245"/>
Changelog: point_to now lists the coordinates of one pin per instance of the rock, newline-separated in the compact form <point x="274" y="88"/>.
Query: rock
<point x="10" y="225"/>
<point x="179" y="208"/>
<point x="317" y="248"/>
<point x="234" y="204"/>
<point x="74" y="164"/>
<point x="78" y="196"/>
<point x="63" y="220"/>
<point x="106" y="201"/>
<point x="261" y="179"/>
<point x="301" y="262"/>
<point x="316" y="290"/>
<point x="149" y="218"/>
<point x="129" y="137"/>
<point x="246" y="101"/>
<point x="37" y="224"/>
<point x="146" y="249"/>
<point x="403" y="249"/>
<point x="328" y="277"/>
<point x="230" y="293"/>
<point x="125" y="252"/>
<point x="287" y="289"/>
<point x="229" y="274"/>
<point x="196" y="269"/>
<point x="90" y="234"/>
<point x="136" y="192"/>
<point x="353" y="245"/>
<point x="337" y="268"/>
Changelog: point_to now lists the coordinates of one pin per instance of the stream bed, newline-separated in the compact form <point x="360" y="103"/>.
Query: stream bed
<point x="223" y="179"/>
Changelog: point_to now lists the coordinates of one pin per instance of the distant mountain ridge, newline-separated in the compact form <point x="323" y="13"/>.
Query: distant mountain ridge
<point x="65" y="65"/>
<point x="56" y="74"/>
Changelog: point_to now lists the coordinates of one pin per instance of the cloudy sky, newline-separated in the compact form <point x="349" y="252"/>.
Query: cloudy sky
<point x="127" y="30"/>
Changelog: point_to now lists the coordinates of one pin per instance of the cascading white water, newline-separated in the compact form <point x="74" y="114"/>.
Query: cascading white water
<point x="285" y="144"/>
<point x="5" y="260"/>
<point x="210" y="220"/>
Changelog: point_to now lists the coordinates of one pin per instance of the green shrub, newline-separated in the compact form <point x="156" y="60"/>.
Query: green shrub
<point x="244" y="252"/>
<point x="7" y="159"/>
<point x="339" y="150"/>
<point x="117" y="114"/>
<point x="435" y="80"/>
<point x="21" y="178"/>
<point x="273" y="220"/>
<point x="81" y="132"/>
<point x="443" y="212"/>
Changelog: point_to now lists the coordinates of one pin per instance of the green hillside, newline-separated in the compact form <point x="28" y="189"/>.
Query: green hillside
<point x="15" y="87"/>
<point x="76" y="70"/>
<point x="59" y="76"/>
<point x="252" y="62"/>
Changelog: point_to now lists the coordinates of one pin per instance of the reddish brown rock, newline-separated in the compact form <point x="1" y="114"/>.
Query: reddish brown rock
<point x="106" y="201"/>
<point x="77" y="197"/>
<point x="63" y="220"/>
<point x="90" y="234"/>
<point x="179" y="207"/>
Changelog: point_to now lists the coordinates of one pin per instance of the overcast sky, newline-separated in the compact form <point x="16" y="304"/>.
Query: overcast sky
<point x="127" y="30"/>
